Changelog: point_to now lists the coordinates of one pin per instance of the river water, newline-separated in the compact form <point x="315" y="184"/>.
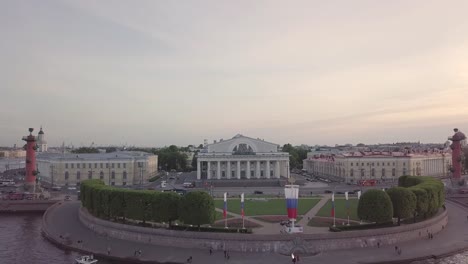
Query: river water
<point x="21" y="242"/>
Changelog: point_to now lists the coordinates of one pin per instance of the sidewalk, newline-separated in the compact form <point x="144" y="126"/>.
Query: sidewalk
<point x="63" y="219"/>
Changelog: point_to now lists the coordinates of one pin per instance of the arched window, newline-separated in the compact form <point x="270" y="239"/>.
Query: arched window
<point x="383" y="172"/>
<point x="351" y="173"/>
<point x="78" y="175"/>
<point x="90" y="174"/>
<point x="113" y="175"/>
<point x="66" y="175"/>
<point x="124" y="175"/>
<point x="373" y="172"/>
<point x="393" y="172"/>
<point x="101" y="175"/>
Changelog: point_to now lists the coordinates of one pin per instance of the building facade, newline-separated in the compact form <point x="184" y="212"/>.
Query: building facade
<point x="116" y="168"/>
<point x="41" y="142"/>
<point x="381" y="166"/>
<point x="242" y="158"/>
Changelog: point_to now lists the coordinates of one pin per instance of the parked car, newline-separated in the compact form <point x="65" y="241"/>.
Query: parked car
<point x="258" y="192"/>
<point x="328" y="191"/>
<point x="285" y="222"/>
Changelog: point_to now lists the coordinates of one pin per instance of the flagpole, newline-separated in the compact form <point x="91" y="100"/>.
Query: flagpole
<point x="242" y="207"/>
<point x="333" y="205"/>
<point x="347" y="205"/>
<point x="225" y="210"/>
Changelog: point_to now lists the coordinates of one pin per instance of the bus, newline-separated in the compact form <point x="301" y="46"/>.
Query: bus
<point x="367" y="182"/>
<point x="6" y="182"/>
<point x="188" y="185"/>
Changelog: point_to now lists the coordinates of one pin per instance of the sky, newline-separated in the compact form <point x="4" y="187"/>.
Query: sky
<point x="156" y="73"/>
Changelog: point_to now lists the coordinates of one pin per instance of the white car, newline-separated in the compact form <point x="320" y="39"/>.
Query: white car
<point x="71" y="188"/>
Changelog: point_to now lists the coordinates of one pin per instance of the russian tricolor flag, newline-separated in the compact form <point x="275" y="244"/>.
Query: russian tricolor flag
<point x="242" y="205"/>
<point x="225" y="205"/>
<point x="333" y="205"/>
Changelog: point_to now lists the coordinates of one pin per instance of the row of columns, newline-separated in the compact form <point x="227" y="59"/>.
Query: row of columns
<point x="238" y="169"/>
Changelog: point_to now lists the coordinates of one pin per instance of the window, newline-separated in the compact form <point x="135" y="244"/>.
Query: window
<point x="404" y="163"/>
<point x="90" y="175"/>
<point x="89" y="165"/>
<point x="362" y="164"/>
<point x="66" y="175"/>
<point x="125" y="175"/>
<point x="383" y="172"/>
<point x="66" y="165"/>
<point x="100" y="165"/>
<point x="393" y="172"/>
<point x="78" y="175"/>
<point x="113" y="175"/>
<point x="351" y="173"/>
<point x="393" y="163"/>
<point x="125" y="165"/>
<point x="118" y="165"/>
<point x="107" y="165"/>
<point x="223" y="174"/>
<point x="84" y="166"/>
<point x="404" y="171"/>
<point x="95" y="165"/>
<point x="78" y="165"/>
<point x="373" y="172"/>
<point x="72" y="165"/>
<point x="367" y="163"/>
<point x="378" y="164"/>
<point x="124" y="183"/>
<point x="261" y="173"/>
<point x="112" y="165"/>
<point x="388" y="164"/>
<point x="101" y="175"/>
<point x="232" y="174"/>
<point x="362" y="172"/>
<point x="351" y="164"/>
<point x="252" y="173"/>
<point x="372" y="163"/>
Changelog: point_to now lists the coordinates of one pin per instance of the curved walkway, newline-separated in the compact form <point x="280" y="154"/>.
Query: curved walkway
<point x="63" y="219"/>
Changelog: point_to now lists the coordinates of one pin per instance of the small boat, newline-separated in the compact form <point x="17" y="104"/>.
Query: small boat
<point x="86" y="260"/>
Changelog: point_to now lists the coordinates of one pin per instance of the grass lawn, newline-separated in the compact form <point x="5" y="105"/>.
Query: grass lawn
<point x="268" y="207"/>
<point x="340" y="209"/>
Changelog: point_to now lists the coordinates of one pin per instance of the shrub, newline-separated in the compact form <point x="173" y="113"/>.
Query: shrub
<point x="403" y="202"/>
<point x="375" y="206"/>
<point x="434" y="188"/>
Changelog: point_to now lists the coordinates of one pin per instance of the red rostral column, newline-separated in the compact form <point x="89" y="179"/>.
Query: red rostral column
<point x="30" y="159"/>
<point x="456" y="153"/>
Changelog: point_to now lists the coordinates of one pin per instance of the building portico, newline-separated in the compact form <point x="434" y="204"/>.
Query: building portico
<point x="242" y="158"/>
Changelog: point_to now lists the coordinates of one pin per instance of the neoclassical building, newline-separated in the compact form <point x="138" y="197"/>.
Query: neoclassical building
<point x="116" y="168"/>
<point x="378" y="165"/>
<point x="242" y="158"/>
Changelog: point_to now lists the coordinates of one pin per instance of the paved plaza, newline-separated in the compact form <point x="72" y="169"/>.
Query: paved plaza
<point x="63" y="220"/>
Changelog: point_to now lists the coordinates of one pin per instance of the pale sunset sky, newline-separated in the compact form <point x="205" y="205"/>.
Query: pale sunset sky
<point x="155" y="73"/>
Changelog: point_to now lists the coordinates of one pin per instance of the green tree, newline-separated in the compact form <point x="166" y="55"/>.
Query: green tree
<point x="85" y="150"/>
<point x="194" y="161"/>
<point x="197" y="208"/>
<point x="422" y="201"/>
<point x="403" y="201"/>
<point x="375" y="206"/>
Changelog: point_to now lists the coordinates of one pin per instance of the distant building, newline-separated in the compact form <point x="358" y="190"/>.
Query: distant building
<point x="379" y="165"/>
<point x="242" y="158"/>
<point x="41" y="142"/>
<point x="116" y="168"/>
<point x="12" y="153"/>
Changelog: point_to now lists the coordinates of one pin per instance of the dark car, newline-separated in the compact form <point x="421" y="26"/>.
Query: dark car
<point x="328" y="191"/>
<point x="284" y="222"/>
<point x="351" y="192"/>
<point x="258" y="192"/>
<point x="339" y="192"/>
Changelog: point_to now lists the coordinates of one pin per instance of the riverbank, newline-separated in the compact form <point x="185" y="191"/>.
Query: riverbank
<point x="62" y="219"/>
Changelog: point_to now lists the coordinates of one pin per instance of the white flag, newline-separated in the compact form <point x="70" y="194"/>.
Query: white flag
<point x="346" y="195"/>
<point x="225" y="197"/>
<point x="242" y="197"/>
<point x="359" y="194"/>
<point x="333" y="197"/>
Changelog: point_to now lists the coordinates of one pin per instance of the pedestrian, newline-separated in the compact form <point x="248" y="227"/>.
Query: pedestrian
<point x="297" y="258"/>
<point x="139" y="252"/>
<point x="108" y="250"/>
<point x="378" y="244"/>
<point x="211" y="251"/>
<point x="396" y="248"/>
<point x="225" y="253"/>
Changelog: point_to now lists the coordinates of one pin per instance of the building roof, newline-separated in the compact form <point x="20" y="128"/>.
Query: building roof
<point x="94" y="156"/>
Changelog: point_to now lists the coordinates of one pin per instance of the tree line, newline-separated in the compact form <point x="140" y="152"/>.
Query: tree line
<point x="110" y="203"/>
<point x="415" y="196"/>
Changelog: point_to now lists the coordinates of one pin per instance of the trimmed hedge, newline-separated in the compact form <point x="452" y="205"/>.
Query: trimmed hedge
<point x="429" y="191"/>
<point x="375" y="206"/>
<point x="112" y="203"/>
<point x="211" y="229"/>
<point x="361" y="227"/>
